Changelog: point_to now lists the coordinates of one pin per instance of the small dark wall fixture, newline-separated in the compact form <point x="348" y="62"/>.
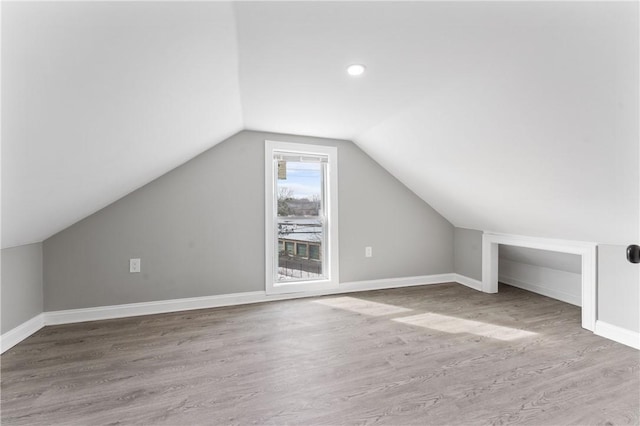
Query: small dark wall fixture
<point x="633" y="253"/>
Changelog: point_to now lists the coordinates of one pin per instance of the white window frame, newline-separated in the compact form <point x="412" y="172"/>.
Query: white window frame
<point x="331" y="200"/>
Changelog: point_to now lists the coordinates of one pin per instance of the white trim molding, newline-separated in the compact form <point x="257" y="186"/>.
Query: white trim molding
<point x="21" y="332"/>
<point x="544" y="291"/>
<point x="176" y="305"/>
<point x="560" y="285"/>
<point x="469" y="282"/>
<point x="587" y="251"/>
<point x="395" y="283"/>
<point x="70" y="316"/>
<point x="618" y="334"/>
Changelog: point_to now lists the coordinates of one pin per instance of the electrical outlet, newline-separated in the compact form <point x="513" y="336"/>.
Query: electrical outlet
<point x="368" y="252"/>
<point x="134" y="265"/>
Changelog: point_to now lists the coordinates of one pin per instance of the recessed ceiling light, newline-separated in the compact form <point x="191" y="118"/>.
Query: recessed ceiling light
<point x="355" y="69"/>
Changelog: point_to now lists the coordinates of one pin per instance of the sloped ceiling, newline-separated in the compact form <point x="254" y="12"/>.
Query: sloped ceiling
<point x="505" y="116"/>
<point x="100" y="98"/>
<point x="539" y="135"/>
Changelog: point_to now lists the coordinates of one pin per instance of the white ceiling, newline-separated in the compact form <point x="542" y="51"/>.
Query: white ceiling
<point x="505" y="116"/>
<point x="101" y="98"/>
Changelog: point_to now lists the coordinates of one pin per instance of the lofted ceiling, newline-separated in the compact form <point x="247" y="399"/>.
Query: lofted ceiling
<point x="514" y="117"/>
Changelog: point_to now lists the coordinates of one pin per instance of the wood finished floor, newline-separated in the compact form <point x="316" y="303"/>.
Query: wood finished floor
<point x="439" y="354"/>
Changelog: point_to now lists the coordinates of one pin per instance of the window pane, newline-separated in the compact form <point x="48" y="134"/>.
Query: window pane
<point x="297" y="235"/>
<point x="299" y="191"/>
<point x="301" y="250"/>
<point x="299" y="188"/>
<point x="314" y="252"/>
<point x="289" y="248"/>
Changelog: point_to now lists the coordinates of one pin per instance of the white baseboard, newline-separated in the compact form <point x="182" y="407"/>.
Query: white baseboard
<point x="560" y="285"/>
<point x="469" y="282"/>
<point x="21" y="332"/>
<point x="69" y="316"/>
<point x="26" y="329"/>
<point x="618" y="334"/>
<point x="545" y="291"/>
<point x="394" y="283"/>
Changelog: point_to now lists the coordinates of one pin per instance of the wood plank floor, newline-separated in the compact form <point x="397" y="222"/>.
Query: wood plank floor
<point x="439" y="354"/>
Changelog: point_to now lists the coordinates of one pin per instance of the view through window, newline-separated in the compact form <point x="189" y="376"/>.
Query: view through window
<point x="301" y="217"/>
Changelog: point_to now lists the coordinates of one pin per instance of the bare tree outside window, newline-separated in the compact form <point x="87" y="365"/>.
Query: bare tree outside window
<point x="285" y="194"/>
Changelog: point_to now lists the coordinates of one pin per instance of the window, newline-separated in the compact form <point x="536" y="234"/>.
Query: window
<point x="314" y="252"/>
<point x="288" y="247"/>
<point x="301" y="250"/>
<point x="301" y="217"/>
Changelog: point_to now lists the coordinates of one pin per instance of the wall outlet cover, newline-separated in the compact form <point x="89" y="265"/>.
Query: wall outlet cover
<point x="134" y="265"/>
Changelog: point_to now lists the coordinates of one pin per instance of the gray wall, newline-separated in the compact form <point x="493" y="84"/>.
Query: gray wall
<point x="467" y="245"/>
<point x="553" y="274"/>
<point x="618" y="288"/>
<point x="543" y="258"/>
<point x="21" y="285"/>
<point x="199" y="231"/>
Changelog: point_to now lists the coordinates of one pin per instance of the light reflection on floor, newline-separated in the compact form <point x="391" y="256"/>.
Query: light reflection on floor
<point x="449" y="324"/>
<point x="362" y="306"/>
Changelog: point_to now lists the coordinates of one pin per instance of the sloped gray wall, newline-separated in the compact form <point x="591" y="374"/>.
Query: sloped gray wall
<point x="199" y="231"/>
